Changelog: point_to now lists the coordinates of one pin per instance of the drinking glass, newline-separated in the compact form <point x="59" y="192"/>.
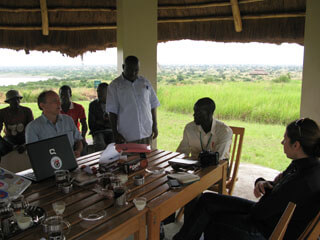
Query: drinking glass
<point x="59" y="207"/>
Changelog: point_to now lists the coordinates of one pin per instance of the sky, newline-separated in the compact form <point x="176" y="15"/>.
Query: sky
<point x="174" y="52"/>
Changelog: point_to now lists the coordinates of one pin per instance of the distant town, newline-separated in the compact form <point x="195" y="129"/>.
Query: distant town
<point x="84" y="76"/>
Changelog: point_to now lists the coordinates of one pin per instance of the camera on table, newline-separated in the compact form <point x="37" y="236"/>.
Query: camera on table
<point x="208" y="158"/>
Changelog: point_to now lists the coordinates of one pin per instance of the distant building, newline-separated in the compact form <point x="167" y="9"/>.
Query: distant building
<point x="258" y="72"/>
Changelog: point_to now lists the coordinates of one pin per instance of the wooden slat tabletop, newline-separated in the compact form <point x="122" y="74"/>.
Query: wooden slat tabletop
<point x="43" y="194"/>
<point x="120" y="222"/>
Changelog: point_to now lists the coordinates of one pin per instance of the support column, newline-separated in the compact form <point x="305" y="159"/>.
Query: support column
<point x="137" y="35"/>
<point x="310" y="95"/>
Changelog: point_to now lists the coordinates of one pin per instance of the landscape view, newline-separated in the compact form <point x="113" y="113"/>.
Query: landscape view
<point x="261" y="98"/>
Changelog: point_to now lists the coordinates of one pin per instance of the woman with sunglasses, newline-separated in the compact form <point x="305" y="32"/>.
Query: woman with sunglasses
<point x="228" y="217"/>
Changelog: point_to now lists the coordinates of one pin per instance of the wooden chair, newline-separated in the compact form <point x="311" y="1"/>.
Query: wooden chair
<point x="235" y="155"/>
<point x="283" y="222"/>
<point x="233" y="166"/>
<point x="234" y="161"/>
<point x="313" y="229"/>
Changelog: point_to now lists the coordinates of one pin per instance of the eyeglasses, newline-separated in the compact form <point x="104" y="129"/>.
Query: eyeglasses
<point x="299" y="125"/>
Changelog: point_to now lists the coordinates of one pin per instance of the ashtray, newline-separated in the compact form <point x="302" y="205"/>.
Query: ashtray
<point x="92" y="214"/>
<point x="37" y="215"/>
<point x="155" y="170"/>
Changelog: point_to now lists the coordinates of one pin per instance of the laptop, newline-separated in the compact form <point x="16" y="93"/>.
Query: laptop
<point x="48" y="155"/>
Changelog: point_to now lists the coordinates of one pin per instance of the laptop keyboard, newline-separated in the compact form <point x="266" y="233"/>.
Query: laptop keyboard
<point x="30" y="176"/>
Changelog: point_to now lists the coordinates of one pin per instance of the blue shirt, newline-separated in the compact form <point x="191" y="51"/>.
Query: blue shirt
<point x="132" y="102"/>
<point x="42" y="128"/>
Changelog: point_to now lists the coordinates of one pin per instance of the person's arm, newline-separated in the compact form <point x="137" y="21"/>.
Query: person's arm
<point x="118" y="138"/>
<point x="84" y="128"/>
<point x="261" y="186"/>
<point x="222" y="146"/>
<point x="29" y="115"/>
<point x="31" y="133"/>
<point x="184" y="146"/>
<point x="277" y="200"/>
<point x="1" y="125"/>
<point x="78" y="148"/>
<point x="83" y="121"/>
<point x="154" y="123"/>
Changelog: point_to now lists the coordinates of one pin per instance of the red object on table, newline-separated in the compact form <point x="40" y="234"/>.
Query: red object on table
<point x="133" y="147"/>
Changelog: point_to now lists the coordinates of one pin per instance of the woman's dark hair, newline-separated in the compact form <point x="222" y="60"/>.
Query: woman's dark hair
<point x="307" y="133"/>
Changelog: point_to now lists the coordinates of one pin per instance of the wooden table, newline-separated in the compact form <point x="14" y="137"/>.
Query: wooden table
<point x="121" y="222"/>
<point x="172" y="200"/>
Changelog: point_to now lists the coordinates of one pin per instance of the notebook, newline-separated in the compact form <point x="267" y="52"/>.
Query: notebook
<point x="48" y="155"/>
<point x="184" y="178"/>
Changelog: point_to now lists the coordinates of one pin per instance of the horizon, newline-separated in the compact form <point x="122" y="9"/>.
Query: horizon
<point x="183" y="52"/>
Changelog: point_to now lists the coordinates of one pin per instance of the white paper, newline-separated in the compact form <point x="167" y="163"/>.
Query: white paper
<point x="110" y="154"/>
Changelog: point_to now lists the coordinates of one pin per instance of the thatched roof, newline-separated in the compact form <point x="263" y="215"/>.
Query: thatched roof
<point x="74" y="27"/>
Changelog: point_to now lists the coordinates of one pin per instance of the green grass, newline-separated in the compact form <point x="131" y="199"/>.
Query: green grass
<point x="263" y="102"/>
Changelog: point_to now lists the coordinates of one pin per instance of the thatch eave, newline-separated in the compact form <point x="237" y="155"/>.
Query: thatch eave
<point x="75" y="27"/>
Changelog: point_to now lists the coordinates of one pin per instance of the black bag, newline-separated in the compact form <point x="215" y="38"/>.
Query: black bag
<point x="208" y="158"/>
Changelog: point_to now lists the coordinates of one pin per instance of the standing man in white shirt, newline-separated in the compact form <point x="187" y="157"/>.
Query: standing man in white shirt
<point x="205" y="133"/>
<point x="132" y="104"/>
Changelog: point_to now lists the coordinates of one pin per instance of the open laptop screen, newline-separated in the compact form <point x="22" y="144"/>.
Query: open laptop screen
<point x="49" y="155"/>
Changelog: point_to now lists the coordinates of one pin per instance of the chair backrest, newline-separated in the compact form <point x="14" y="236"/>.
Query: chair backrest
<point x="313" y="229"/>
<point x="283" y="222"/>
<point x="235" y="155"/>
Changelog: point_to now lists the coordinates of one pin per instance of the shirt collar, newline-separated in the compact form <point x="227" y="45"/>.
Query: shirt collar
<point x="123" y="77"/>
<point x="45" y="119"/>
<point x="70" y="107"/>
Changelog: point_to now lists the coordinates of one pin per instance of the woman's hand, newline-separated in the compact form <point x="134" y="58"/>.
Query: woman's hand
<point x="260" y="188"/>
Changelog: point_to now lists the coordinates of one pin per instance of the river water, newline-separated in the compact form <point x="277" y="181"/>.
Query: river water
<point x="5" y="81"/>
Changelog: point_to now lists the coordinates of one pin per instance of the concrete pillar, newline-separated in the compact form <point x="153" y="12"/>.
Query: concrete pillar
<point x="137" y="35"/>
<point x="310" y="96"/>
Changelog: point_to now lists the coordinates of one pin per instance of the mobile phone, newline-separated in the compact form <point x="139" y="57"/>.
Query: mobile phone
<point x="173" y="183"/>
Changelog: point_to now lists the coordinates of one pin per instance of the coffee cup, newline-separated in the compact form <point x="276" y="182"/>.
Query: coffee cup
<point x="66" y="187"/>
<point x="140" y="203"/>
<point x="138" y="180"/>
<point x="24" y="222"/>
<point x="62" y="176"/>
<point x="120" y="196"/>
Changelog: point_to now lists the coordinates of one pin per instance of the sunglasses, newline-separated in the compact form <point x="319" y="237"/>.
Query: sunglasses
<point x="298" y="124"/>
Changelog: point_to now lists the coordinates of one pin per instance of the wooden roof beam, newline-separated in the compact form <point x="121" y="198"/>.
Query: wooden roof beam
<point x="44" y="17"/>
<point x="236" y="15"/>
<point x="205" y="5"/>
<point x="230" y="18"/>
<point x="22" y="10"/>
